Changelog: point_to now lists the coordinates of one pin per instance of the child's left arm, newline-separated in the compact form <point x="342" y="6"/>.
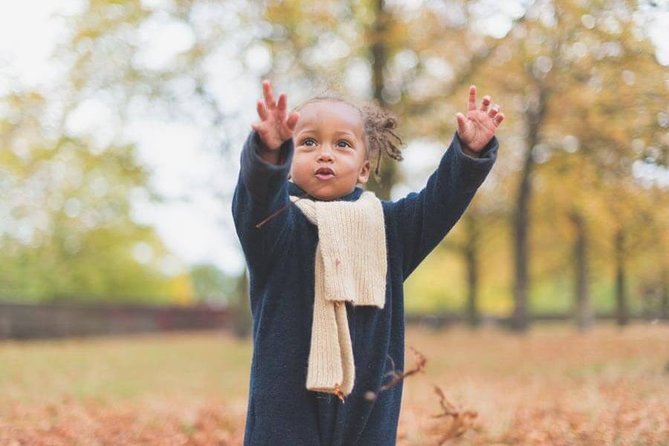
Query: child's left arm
<point x="423" y="219"/>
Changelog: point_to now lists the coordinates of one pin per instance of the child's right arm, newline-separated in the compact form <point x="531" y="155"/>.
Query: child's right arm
<point x="262" y="189"/>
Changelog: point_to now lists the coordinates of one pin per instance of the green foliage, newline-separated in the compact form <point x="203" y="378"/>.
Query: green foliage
<point x="212" y="285"/>
<point x="67" y="229"/>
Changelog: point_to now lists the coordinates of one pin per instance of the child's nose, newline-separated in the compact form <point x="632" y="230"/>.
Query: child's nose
<point x="325" y="154"/>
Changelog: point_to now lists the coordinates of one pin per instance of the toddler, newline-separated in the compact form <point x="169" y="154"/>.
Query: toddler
<point x="327" y="261"/>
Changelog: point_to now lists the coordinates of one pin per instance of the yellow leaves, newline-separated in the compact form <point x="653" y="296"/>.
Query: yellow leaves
<point x="315" y="16"/>
<point x="180" y="289"/>
<point x="437" y="285"/>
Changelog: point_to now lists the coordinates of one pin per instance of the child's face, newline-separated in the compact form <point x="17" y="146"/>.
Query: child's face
<point x="330" y="150"/>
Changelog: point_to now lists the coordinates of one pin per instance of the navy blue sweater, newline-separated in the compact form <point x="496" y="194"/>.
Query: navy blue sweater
<point x="280" y="259"/>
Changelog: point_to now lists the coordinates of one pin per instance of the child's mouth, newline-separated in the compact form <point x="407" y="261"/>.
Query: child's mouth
<point x="325" y="173"/>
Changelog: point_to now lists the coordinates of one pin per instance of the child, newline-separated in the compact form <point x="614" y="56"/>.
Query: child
<point x="327" y="262"/>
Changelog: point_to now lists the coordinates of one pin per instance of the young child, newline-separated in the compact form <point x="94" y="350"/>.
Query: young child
<point x="327" y="262"/>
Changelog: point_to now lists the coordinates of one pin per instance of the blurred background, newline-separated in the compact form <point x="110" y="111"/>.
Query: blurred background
<point x="121" y="124"/>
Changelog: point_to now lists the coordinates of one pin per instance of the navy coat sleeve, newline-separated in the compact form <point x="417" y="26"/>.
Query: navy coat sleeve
<point x="424" y="218"/>
<point x="262" y="189"/>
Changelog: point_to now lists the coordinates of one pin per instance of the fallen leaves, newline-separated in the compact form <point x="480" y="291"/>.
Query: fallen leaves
<point x="72" y="423"/>
<point x="553" y="386"/>
<point x="457" y="420"/>
<point x="396" y="376"/>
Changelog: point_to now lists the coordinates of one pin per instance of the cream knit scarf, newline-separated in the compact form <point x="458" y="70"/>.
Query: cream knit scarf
<point x="351" y="267"/>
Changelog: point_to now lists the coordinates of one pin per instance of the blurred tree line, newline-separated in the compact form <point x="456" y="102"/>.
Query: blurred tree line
<point x="574" y="217"/>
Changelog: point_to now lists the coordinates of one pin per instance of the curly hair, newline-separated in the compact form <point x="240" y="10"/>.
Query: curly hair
<point x="379" y="127"/>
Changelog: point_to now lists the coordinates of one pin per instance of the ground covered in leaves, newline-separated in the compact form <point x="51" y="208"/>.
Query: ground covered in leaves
<point x="553" y="386"/>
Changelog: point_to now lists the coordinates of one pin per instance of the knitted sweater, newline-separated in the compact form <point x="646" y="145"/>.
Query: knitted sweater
<point x="280" y="260"/>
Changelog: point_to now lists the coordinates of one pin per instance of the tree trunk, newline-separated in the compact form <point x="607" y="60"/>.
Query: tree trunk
<point x="379" y="50"/>
<point x="379" y="56"/>
<point x="664" y="296"/>
<point x="471" y="254"/>
<point x="622" y="310"/>
<point x="534" y="117"/>
<point x="584" y="316"/>
<point x="519" y="320"/>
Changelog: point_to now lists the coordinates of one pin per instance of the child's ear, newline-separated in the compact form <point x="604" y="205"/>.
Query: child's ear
<point x="363" y="177"/>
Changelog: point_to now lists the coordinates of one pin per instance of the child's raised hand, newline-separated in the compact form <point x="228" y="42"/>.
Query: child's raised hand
<point x="478" y="127"/>
<point x="276" y="125"/>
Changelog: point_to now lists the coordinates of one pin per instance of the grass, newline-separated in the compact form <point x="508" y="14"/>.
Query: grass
<point x="109" y="369"/>
<point x="552" y="386"/>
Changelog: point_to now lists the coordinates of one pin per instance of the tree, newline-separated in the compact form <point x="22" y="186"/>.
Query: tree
<point x="560" y="58"/>
<point x="68" y="230"/>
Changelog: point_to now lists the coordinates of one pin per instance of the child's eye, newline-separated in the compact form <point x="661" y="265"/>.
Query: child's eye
<point x="343" y="144"/>
<point x="309" y="142"/>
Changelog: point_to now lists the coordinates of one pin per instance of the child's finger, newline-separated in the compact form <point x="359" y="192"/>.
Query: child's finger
<point x="485" y="103"/>
<point x="283" y="101"/>
<point x="281" y="107"/>
<point x="462" y="122"/>
<point x="471" y="105"/>
<point x="262" y="110"/>
<point x="267" y="92"/>
<point x="499" y="118"/>
<point x="291" y="122"/>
